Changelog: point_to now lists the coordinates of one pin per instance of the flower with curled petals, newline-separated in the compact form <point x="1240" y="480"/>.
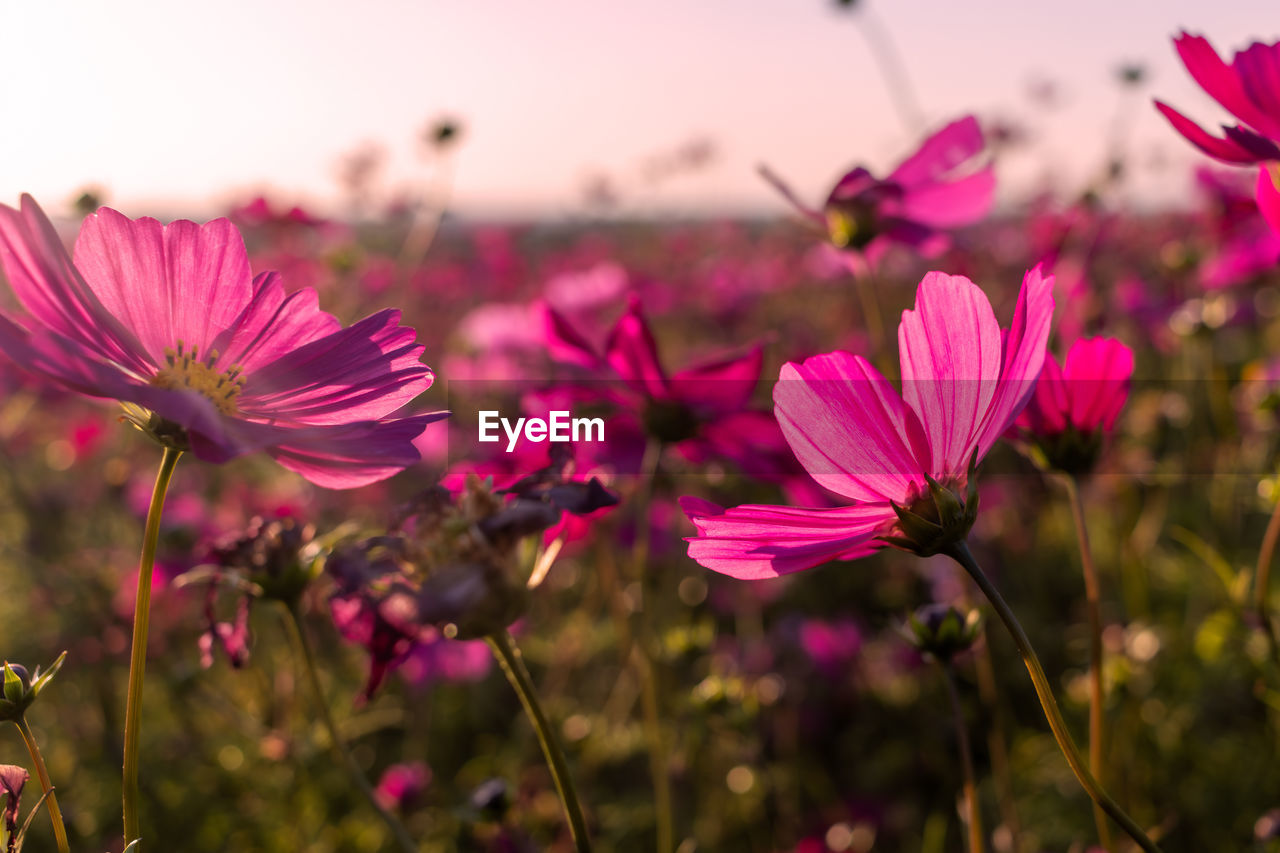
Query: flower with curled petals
<point x="1249" y="88"/>
<point x="905" y="460"/>
<point x="203" y="355"/>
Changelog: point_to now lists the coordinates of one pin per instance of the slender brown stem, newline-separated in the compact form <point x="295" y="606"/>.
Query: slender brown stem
<point x="138" y="656"/>
<point x="42" y="773"/>
<point x="960" y="553"/>
<point x="974" y="818"/>
<point x="1097" y="734"/>
<point x="302" y="645"/>
<point x="509" y="658"/>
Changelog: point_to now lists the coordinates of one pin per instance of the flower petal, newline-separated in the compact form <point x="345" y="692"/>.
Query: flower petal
<point x="940" y="154"/>
<point x="1224" y="82"/>
<point x="952" y="203"/>
<point x="1269" y="195"/>
<point x="181" y="282"/>
<point x="1097" y="374"/>
<point x="1225" y="150"/>
<point x="53" y="291"/>
<point x="363" y="372"/>
<point x="1022" y="356"/>
<point x="349" y="455"/>
<point x="272" y="325"/>
<point x="721" y="386"/>
<point x="631" y="352"/>
<point x="849" y="428"/>
<point x="950" y="350"/>
<point x="755" y="541"/>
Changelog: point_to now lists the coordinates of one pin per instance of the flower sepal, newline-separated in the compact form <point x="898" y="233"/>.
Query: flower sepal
<point x="21" y="687"/>
<point x="932" y="523"/>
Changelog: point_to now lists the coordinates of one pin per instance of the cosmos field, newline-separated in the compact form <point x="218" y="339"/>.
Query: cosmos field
<point x="897" y="520"/>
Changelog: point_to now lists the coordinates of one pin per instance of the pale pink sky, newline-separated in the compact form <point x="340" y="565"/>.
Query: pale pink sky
<point x="183" y="106"/>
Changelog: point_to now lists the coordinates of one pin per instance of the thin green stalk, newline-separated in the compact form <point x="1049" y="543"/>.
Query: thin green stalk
<point x="509" y="658"/>
<point x="664" y="812"/>
<point x="138" y="656"/>
<point x="42" y="773"/>
<point x="960" y="553"/>
<point x="1097" y="733"/>
<point x="299" y="636"/>
<point x="974" y="818"/>
<point x="1262" y="579"/>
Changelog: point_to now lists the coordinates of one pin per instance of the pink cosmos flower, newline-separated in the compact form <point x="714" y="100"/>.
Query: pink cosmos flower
<point x="964" y="383"/>
<point x="938" y="187"/>
<point x="206" y="357"/>
<point x="1248" y="88"/>
<point x="1085" y="395"/>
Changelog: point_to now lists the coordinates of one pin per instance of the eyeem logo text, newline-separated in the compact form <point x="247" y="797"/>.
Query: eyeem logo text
<point x="559" y="426"/>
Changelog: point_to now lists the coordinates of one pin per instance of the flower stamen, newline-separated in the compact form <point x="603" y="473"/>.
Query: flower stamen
<point x="186" y="371"/>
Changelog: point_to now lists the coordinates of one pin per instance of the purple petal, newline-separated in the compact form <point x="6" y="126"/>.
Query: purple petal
<point x="182" y="282"/>
<point x="350" y="455"/>
<point x="723" y="386"/>
<point x="362" y="372"/>
<point x="53" y="291"/>
<point x="272" y="325"/>
<point x="954" y="203"/>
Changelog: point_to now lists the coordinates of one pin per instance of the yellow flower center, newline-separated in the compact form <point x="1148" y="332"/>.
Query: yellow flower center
<point x="185" y="371"/>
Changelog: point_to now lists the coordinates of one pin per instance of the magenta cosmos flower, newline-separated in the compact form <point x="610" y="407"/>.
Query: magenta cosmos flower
<point x="1249" y="88"/>
<point x="940" y="186"/>
<point x="898" y="457"/>
<point x="1075" y="407"/>
<point x="203" y="355"/>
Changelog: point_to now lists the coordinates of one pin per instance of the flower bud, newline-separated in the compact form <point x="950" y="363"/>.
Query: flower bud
<point x="21" y="687"/>
<point x="941" y="631"/>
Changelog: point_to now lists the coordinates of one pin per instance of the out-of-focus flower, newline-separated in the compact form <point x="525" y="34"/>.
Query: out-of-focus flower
<point x="941" y="631"/>
<point x="1075" y="406"/>
<point x="12" y="781"/>
<point x="402" y="784"/>
<point x="939" y="187"/>
<point x="454" y="568"/>
<point x="204" y="356"/>
<point x="906" y="461"/>
<point x="702" y="410"/>
<point x="1247" y="89"/>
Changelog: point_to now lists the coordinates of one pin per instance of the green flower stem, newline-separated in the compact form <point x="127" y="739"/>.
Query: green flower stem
<point x="293" y="620"/>
<point x="55" y="813"/>
<point x="138" y="657"/>
<point x="1262" y="579"/>
<point x="960" y="553"/>
<point x="509" y="658"/>
<point x="1097" y="735"/>
<point x="646" y="672"/>
<point x="974" y="819"/>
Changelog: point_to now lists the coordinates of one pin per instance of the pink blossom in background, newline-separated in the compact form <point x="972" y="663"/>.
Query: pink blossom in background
<point x="1086" y="394"/>
<point x="1247" y="88"/>
<point x="939" y="187"/>
<point x="964" y="383"/>
<point x="402" y="785"/>
<point x="169" y="318"/>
